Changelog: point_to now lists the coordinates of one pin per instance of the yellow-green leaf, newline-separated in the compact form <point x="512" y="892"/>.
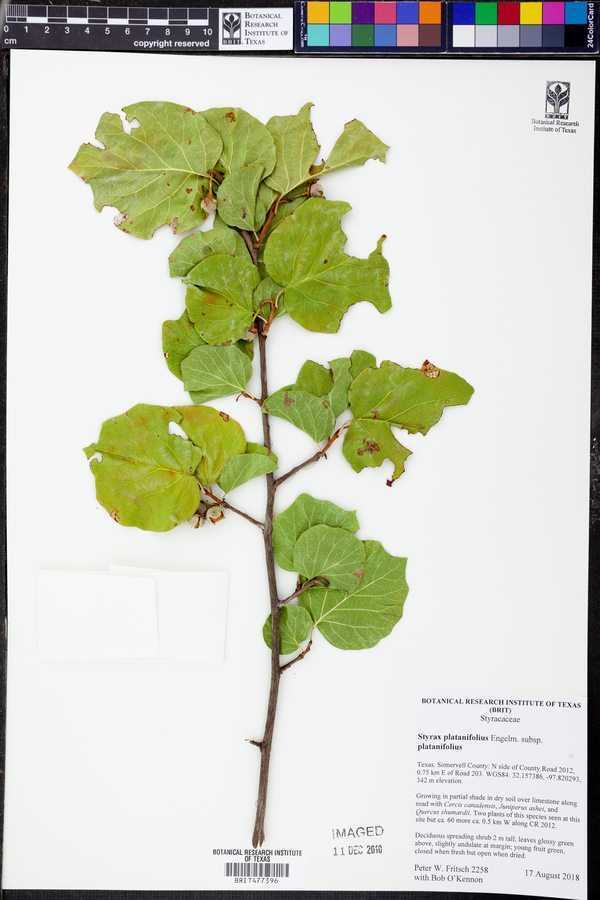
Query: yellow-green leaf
<point x="156" y="175"/>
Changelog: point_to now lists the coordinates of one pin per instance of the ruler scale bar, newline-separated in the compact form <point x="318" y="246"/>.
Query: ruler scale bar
<point x="150" y="29"/>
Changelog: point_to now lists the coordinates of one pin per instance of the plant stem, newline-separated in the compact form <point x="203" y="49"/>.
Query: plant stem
<point x="223" y="502"/>
<point x="314" y="458"/>
<point x="265" y="744"/>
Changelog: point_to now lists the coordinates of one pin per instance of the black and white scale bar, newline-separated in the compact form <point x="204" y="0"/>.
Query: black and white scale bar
<point x="110" y="28"/>
<point x="111" y="15"/>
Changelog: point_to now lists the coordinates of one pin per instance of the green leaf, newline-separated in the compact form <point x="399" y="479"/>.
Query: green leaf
<point x="342" y="379"/>
<point x="294" y="628"/>
<point x="179" y="338"/>
<point x="216" y="434"/>
<point x="256" y="460"/>
<point x="305" y="254"/>
<point x="219" y="299"/>
<point x="331" y="553"/>
<point x="360" y="360"/>
<point x="369" y="443"/>
<point x="304" y="513"/>
<point x="212" y="372"/>
<point x="354" y="147"/>
<point x="155" y="175"/>
<point x="359" y="619"/>
<point x="238" y="203"/>
<point x="296" y="146"/>
<point x="197" y="246"/>
<point x="145" y="476"/>
<point x="314" y="378"/>
<point x="246" y="141"/>
<point x="413" y="399"/>
<point x="311" y="414"/>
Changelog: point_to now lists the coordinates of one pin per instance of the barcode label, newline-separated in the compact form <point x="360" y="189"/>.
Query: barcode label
<point x="257" y="870"/>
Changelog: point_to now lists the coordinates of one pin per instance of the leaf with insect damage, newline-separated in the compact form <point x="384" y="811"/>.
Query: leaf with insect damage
<point x="219" y="298"/>
<point x="413" y="399"/>
<point x="156" y="175"/>
<point x="295" y="624"/>
<point x="354" y="147"/>
<point x="255" y="461"/>
<point x="210" y="372"/>
<point x="304" y="513"/>
<point x="145" y="476"/>
<point x="305" y="254"/>
<point x="359" y="618"/>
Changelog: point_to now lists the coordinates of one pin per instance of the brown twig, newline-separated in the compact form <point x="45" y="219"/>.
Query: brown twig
<point x="266" y="742"/>
<point x="222" y="502"/>
<point x="318" y="579"/>
<point x="314" y="458"/>
<point x="252" y="249"/>
<point x="297" y="658"/>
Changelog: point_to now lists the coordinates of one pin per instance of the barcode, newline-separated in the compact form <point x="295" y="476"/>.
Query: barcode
<point x="257" y="870"/>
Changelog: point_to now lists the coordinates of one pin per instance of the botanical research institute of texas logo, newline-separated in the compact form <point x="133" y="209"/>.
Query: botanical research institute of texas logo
<point x="231" y="28"/>
<point x="558" y="95"/>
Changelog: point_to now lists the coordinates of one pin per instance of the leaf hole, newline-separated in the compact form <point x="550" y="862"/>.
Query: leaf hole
<point x="97" y="456"/>
<point x="174" y="428"/>
<point x="129" y="125"/>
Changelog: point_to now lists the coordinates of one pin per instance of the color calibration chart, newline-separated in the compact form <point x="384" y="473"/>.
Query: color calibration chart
<point x="438" y="27"/>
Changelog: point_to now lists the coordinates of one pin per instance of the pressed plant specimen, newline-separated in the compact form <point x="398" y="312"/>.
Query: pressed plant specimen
<point x="275" y="248"/>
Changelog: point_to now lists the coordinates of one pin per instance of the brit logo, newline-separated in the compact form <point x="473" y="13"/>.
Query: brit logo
<point x="558" y="95"/>
<point x="231" y="28"/>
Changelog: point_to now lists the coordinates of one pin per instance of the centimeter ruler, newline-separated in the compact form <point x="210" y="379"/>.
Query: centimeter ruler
<point x="356" y="28"/>
<point x="147" y="28"/>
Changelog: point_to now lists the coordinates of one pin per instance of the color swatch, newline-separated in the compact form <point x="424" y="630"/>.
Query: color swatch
<point x="526" y="25"/>
<point x="482" y="27"/>
<point x="380" y="26"/>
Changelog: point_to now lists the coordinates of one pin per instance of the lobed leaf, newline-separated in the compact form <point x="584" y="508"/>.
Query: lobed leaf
<point x="155" y="175"/>
<point x="145" y="476"/>
<point x="359" y="618"/>
<point x="354" y="147"/>
<point x="391" y="395"/>
<point x="305" y="254"/>
<point x="295" y="624"/>
<point x="304" y="513"/>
